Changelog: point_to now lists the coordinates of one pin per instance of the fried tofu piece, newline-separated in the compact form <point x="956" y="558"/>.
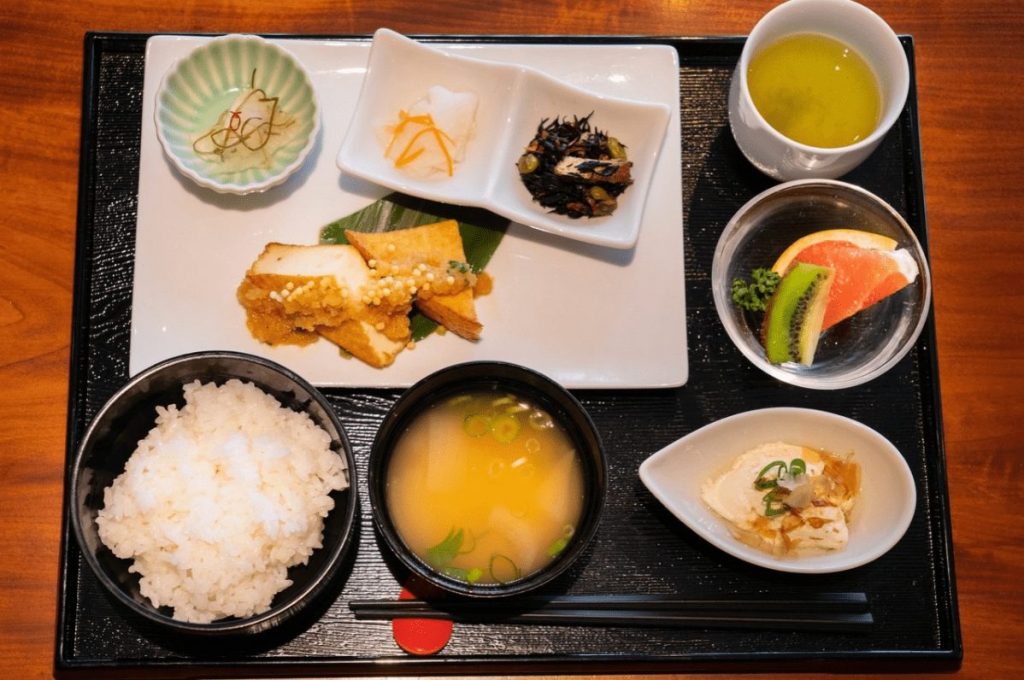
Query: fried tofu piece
<point x="365" y="342"/>
<point x="294" y="294"/>
<point x="434" y="244"/>
<point x="344" y="263"/>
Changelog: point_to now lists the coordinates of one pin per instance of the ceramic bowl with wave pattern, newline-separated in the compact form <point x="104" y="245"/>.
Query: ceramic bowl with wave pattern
<point x="237" y="115"/>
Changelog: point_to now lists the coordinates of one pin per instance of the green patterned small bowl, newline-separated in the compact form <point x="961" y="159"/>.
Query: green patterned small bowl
<point x="237" y="115"/>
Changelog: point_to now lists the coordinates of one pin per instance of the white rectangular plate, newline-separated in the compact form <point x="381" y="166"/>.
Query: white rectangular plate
<point x="587" y="316"/>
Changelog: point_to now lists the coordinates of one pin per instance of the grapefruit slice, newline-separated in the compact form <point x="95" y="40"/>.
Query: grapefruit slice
<point x="868" y="268"/>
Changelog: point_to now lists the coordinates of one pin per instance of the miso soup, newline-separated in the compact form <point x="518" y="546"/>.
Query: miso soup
<point x="485" y="487"/>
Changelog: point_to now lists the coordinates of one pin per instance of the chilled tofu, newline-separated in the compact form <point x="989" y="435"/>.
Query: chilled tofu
<point x="797" y="509"/>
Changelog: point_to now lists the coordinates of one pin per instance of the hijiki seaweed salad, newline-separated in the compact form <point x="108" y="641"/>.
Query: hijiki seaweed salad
<point x="574" y="170"/>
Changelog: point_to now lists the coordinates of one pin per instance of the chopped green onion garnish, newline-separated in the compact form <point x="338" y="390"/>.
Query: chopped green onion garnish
<point x="557" y="546"/>
<point x="503" y="569"/>
<point x="772" y="505"/>
<point x="444" y="552"/>
<point x="539" y="420"/>
<point x="476" y="425"/>
<point x="456" y="573"/>
<point x="505" y="428"/>
<point x="761" y="482"/>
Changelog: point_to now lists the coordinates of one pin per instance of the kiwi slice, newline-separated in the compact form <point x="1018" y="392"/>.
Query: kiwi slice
<point x="792" y="322"/>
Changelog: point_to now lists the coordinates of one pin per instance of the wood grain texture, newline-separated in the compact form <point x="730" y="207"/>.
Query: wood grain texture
<point x="968" y="65"/>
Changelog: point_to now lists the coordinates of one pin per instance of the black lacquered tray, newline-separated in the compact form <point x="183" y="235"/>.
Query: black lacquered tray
<point x="640" y="547"/>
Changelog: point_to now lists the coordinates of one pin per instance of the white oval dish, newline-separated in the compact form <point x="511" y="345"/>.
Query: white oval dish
<point x="198" y="88"/>
<point x="512" y="102"/>
<point x="883" y="510"/>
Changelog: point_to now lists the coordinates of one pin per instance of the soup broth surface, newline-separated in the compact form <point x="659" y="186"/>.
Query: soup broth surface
<point x="816" y="90"/>
<point x="485" y="487"/>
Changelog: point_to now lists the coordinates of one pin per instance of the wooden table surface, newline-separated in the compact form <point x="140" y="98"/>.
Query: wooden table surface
<point x="970" y="69"/>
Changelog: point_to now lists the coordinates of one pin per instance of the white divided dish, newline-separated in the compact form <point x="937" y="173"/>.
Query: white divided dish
<point x="513" y="100"/>
<point x="588" y="316"/>
<point x="884" y="507"/>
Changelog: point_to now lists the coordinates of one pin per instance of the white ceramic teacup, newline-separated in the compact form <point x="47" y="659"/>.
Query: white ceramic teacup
<point x="773" y="153"/>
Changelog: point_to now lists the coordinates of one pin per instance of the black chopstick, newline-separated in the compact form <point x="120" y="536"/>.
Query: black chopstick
<point x="828" y="602"/>
<point x="825" y="612"/>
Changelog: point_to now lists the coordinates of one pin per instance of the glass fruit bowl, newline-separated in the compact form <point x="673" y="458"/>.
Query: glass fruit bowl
<point x="852" y="351"/>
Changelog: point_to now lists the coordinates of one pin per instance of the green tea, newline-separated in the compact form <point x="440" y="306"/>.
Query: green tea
<point x="815" y="90"/>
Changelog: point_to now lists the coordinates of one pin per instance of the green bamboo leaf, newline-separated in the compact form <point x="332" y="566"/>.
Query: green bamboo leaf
<point x="481" y="232"/>
<point x="421" y="326"/>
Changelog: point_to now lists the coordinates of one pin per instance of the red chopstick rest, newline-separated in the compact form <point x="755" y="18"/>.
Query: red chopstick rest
<point x="421" y="637"/>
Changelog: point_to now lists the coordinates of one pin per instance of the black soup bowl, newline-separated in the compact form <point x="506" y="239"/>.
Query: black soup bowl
<point x="130" y="414"/>
<point x="501" y="379"/>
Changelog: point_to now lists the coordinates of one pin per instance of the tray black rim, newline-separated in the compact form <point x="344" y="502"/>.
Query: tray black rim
<point x="945" y="658"/>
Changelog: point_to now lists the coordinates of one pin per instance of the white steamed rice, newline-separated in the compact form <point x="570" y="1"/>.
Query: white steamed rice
<point x="219" y="499"/>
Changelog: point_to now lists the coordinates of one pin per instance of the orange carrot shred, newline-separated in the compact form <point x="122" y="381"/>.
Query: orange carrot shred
<point x="407" y="158"/>
<point x="444" y="150"/>
<point x="409" y="153"/>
